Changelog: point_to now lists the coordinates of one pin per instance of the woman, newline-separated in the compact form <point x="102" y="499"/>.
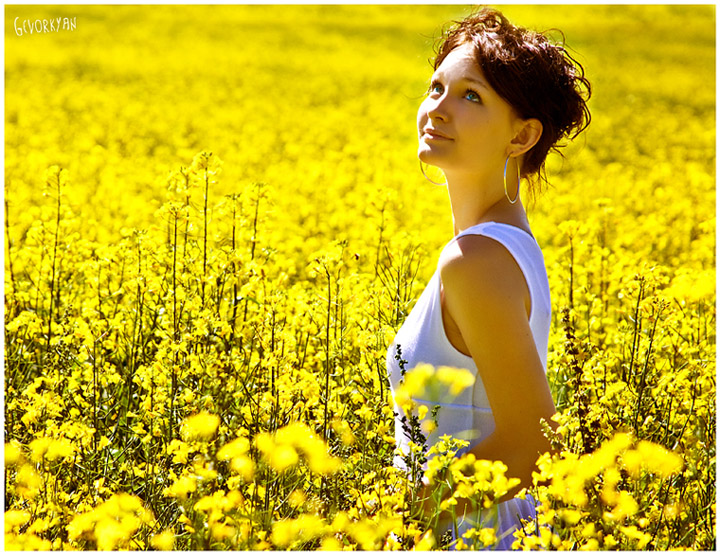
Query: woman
<point x="500" y="99"/>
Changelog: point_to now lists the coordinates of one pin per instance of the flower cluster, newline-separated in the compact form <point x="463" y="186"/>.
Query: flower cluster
<point x="202" y="278"/>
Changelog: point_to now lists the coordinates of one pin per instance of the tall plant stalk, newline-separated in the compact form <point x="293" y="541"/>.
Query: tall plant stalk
<point x="205" y="234"/>
<point x="9" y="254"/>
<point x="56" y="239"/>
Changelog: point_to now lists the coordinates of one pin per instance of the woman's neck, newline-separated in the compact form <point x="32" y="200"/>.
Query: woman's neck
<point x="473" y="203"/>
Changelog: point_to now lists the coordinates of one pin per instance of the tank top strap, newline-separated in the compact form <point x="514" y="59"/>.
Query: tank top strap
<point x="495" y="228"/>
<point x="520" y="243"/>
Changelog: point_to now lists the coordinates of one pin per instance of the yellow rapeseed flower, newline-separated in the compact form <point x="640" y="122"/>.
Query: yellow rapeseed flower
<point x="571" y="516"/>
<point x="422" y="411"/>
<point x="112" y="523"/>
<point x="428" y="383"/>
<point x="427" y="426"/>
<point x="487" y="536"/>
<point x="264" y="442"/>
<point x="26" y="542"/>
<point x="625" y="506"/>
<point x="609" y="541"/>
<point x="297" y="498"/>
<point x="244" y="466"/>
<point x="484" y="536"/>
<point x="591" y="545"/>
<point x="183" y="486"/>
<point x="588" y="530"/>
<point x="413" y="384"/>
<point x="459" y="379"/>
<point x="301" y="437"/>
<point x="365" y="413"/>
<point x="110" y="533"/>
<point x="217" y="502"/>
<point x="304" y="528"/>
<point x="282" y="457"/>
<point x="221" y="531"/>
<point x="179" y="450"/>
<point x="283" y="533"/>
<point x="200" y="426"/>
<point x="50" y="449"/>
<point x="342" y="428"/>
<point x="425" y="543"/>
<point x="654" y="458"/>
<point x="330" y="543"/>
<point x="235" y="448"/>
<point x="164" y="541"/>
<point x="593" y="464"/>
<point x="692" y="285"/>
<point x="13" y="454"/>
<point x="186" y="523"/>
<point x="632" y="532"/>
<point x="28" y="482"/>
<point x="14" y="519"/>
<point x="609" y="493"/>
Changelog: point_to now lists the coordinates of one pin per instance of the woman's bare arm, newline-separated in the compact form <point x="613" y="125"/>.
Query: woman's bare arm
<point x="485" y="294"/>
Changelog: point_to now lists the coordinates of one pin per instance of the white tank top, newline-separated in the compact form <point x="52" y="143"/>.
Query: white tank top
<point x="422" y="339"/>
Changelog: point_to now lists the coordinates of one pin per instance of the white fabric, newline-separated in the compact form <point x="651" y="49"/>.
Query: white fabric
<point x="504" y="517"/>
<point x="422" y="339"/>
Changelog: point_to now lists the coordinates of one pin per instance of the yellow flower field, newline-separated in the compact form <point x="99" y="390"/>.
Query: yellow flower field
<point x="215" y="222"/>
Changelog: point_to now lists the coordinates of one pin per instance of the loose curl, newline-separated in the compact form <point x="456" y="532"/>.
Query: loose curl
<point x="538" y="79"/>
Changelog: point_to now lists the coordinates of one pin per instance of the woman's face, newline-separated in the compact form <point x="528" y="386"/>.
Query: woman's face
<point x="464" y="125"/>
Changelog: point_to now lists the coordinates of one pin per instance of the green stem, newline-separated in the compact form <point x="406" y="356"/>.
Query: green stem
<point x="8" y="253"/>
<point x="205" y="226"/>
<point x="54" y="259"/>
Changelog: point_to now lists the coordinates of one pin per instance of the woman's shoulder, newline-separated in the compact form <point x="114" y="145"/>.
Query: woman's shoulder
<point x="468" y="250"/>
<point x="482" y="279"/>
<point x="484" y="242"/>
<point x="478" y="263"/>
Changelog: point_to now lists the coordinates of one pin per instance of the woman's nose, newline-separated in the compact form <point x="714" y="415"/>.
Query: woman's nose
<point x="437" y="108"/>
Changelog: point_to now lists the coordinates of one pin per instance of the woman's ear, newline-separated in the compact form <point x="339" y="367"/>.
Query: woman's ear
<point x="528" y="134"/>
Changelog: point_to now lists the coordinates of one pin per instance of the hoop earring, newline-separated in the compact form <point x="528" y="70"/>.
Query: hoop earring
<point x="511" y="201"/>
<point x="426" y="177"/>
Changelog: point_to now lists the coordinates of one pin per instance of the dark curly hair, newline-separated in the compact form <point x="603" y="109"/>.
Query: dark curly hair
<point x="537" y="78"/>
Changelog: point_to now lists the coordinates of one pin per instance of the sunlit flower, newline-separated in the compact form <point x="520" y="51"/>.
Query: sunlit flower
<point x="654" y="458"/>
<point x="235" y="448"/>
<point x="200" y="426"/>
<point x="303" y="528"/>
<point x="181" y="487"/>
<point x="13" y="454"/>
<point x="112" y="523"/>
<point x="14" y="519"/>
<point x="51" y="449"/>
<point x="425" y="543"/>
<point x="632" y="532"/>
<point x="179" y="450"/>
<point x="164" y="541"/>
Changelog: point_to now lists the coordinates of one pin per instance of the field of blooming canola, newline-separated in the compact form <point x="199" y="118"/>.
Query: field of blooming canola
<point x="215" y="223"/>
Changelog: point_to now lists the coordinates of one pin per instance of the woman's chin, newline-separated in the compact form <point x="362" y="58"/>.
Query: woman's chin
<point x="427" y="157"/>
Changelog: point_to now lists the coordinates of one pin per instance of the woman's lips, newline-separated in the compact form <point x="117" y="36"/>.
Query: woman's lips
<point x="434" y="134"/>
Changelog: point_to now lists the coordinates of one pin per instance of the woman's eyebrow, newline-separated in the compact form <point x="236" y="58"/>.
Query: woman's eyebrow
<point x="477" y="81"/>
<point x="439" y="75"/>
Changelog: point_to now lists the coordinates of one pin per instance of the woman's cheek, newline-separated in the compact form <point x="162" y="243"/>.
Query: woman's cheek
<point x="421" y="120"/>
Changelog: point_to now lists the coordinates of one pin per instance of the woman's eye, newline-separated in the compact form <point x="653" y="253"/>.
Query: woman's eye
<point x="435" y="87"/>
<point x="472" y="96"/>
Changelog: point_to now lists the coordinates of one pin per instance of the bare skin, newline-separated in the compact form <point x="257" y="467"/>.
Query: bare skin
<point x="468" y="131"/>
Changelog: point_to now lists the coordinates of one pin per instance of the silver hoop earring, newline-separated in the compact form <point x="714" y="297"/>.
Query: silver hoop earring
<point x="426" y="177"/>
<point x="511" y="201"/>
